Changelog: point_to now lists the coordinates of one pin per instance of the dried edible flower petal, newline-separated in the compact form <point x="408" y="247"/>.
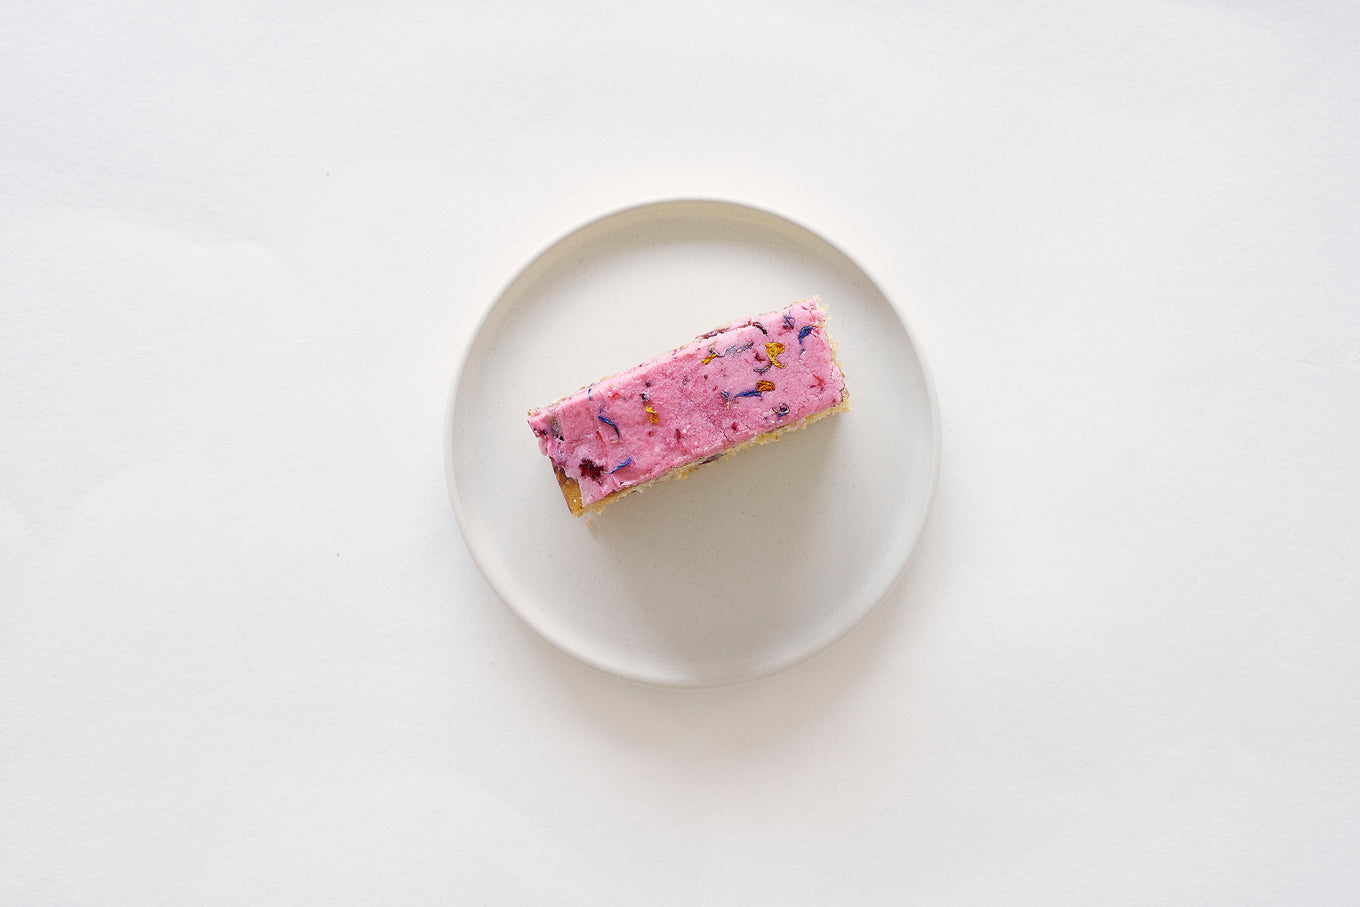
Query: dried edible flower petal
<point x="612" y="424"/>
<point x="712" y="354"/>
<point x="773" y="349"/>
<point x="620" y="466"/>
<point x="762" y="387"/>
<point x="652" y="417"/>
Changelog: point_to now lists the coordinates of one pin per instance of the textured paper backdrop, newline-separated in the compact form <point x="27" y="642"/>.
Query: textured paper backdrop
<point x="245" y="658"/>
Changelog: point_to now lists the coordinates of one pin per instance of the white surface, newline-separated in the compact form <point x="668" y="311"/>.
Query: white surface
<point x="745" y="568"/>
<point x="245" y="657"/>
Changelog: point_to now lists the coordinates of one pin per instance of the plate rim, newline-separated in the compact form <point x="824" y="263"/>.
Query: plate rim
<point x="451" y="478"/>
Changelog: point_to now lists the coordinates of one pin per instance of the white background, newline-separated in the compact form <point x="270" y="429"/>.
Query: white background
<point x="245" y="658"/>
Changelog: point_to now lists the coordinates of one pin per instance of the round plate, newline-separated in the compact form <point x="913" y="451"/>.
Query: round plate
<point x="746" y="566"/>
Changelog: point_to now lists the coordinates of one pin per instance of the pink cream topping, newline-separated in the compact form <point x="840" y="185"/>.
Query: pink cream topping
<point x="692" y="403"/>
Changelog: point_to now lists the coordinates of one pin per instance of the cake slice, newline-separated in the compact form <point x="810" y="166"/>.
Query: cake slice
<point x="742" y="384"/>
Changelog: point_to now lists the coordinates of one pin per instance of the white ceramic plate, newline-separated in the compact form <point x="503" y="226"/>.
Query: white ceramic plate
<point x="746" y="566"/>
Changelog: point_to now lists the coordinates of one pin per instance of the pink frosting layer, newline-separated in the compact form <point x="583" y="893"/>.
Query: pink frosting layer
<point x="693" y="403"/>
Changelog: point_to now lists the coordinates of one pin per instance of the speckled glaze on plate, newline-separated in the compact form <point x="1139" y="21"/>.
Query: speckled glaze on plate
<point x="746" y="566"/>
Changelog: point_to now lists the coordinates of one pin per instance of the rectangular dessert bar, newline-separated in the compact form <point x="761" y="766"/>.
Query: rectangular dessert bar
<point x="742" y="384"/>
